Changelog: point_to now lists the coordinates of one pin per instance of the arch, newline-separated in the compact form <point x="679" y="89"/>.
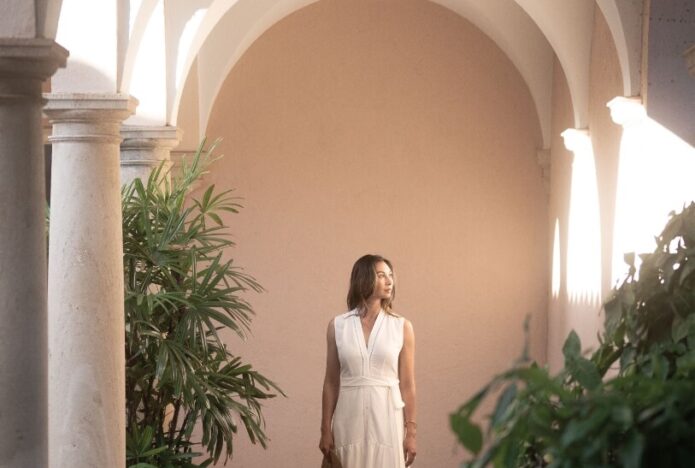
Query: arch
<point x="527" y="31"/>
<point x="145" y="67"/>
<point x="523" y="43"/>
<point x="230" y="37"/>
<point x="138" y="22"/>
<point x="568" y="26"/>
<point x="237" y="23"/>
<point x="624" y="20"/>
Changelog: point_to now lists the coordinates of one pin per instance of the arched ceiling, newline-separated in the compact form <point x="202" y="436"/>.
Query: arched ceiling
<point x="243" y="21"/>
<point x="215" y="34"/>
<point x="227" y="29"/>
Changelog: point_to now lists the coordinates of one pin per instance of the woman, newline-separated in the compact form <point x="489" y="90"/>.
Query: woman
<point x="368" y="407"/>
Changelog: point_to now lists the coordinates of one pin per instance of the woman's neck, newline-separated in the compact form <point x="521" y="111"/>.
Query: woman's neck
<point x="373" y="308"/>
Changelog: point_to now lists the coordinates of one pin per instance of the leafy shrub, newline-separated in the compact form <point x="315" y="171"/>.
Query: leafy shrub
<point x="180" y="292"/>
<point x="643" y="415"/>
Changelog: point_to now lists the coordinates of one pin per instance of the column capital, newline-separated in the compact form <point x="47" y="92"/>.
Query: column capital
<point x="627" y="111"/>
<point x="77" y="107"/>
<point x="87" y="116"/>
<point x="577" y="139"/>
<point x="139" y="137"/>
<point x="37" y="58"/>
<point x="145" y="148"/>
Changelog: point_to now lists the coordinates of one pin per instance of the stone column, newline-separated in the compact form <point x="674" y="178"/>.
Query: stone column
<point x="144" y="148"/>
<point x="24" y="64"/>
<point x="85" y="282"/>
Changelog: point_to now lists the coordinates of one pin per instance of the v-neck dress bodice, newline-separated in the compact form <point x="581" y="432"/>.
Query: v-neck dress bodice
<point x="368" y="418"/>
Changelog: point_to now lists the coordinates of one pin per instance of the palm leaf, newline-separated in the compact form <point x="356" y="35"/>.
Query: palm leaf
<point x="179" y="293"/>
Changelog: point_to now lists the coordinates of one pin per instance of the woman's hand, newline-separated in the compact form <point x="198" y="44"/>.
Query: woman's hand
<point x="326" y="444"/>
<point x="409" y="448"/>
<point x="406" y="375"/>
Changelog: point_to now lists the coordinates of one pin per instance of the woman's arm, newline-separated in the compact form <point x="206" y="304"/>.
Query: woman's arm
<point x="406" y="374"/>
<point x="331" y="387"/>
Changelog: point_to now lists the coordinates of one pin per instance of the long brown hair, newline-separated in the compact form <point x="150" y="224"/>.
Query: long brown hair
<point x="363" y="280"/>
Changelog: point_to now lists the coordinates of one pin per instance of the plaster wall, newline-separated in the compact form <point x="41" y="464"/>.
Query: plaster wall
<point x="356" y="127"/>
<point x="605" y="84"/>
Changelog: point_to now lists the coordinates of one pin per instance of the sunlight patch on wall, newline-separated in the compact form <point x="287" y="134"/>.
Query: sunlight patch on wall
<point x="555" y="281"/>
<point x="656" y="175"/>
<point x="584" y="235"/>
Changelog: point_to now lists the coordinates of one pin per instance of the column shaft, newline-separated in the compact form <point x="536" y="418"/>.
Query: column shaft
<point x="24" y="64"/>
<point x="85" y="283"/>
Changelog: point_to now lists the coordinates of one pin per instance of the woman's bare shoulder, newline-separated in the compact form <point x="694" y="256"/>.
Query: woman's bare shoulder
<point x="407" y="325"/>
<point x="337" y="319"/>
<point x="398" y="316"/>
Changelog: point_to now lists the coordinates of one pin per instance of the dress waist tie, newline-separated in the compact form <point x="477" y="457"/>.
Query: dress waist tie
<point x="366" y="381"/>
<point x="395" y="397"/>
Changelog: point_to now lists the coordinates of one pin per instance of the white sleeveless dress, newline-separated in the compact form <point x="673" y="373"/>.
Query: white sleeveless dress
<point x="368" y="418"/>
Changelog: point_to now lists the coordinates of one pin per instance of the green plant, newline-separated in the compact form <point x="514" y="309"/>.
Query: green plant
<point x="182" y="382"/>
<point x="643" y="415"/>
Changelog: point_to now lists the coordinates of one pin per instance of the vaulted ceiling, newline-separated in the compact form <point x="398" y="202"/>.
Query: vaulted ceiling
<point x="214" y="34"/>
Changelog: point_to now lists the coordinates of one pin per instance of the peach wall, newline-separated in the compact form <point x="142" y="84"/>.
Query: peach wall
<point x="605" y="84"/>
<point x="389" y="127"/>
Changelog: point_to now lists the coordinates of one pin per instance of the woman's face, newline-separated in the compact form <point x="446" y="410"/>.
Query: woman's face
<point x="384" y="281"/>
